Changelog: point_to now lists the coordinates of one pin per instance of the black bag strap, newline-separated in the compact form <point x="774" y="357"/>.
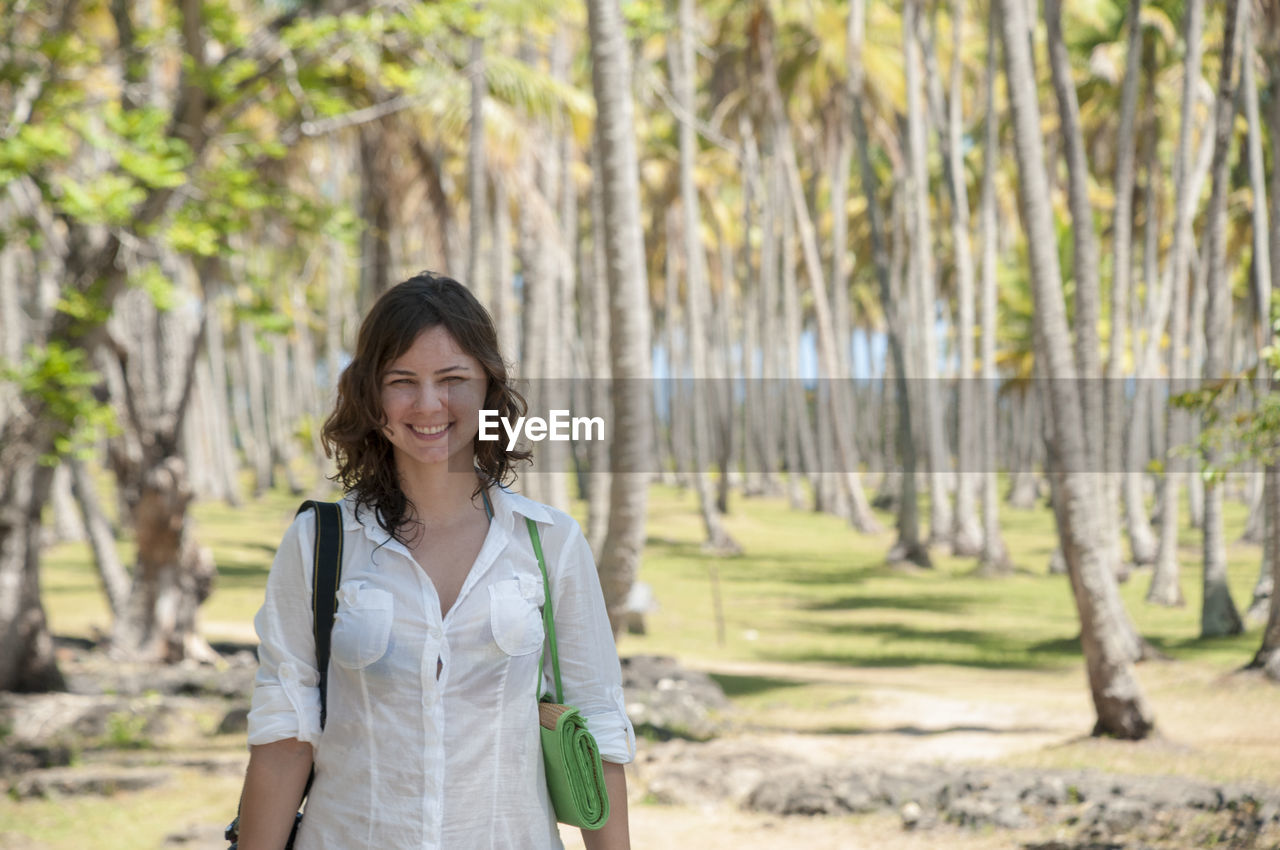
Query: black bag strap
<point x="325" y="578"/>
<point x="327" y="574"/>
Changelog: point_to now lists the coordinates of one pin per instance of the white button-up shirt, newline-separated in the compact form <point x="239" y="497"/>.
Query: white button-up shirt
<point x="408" y="759"/>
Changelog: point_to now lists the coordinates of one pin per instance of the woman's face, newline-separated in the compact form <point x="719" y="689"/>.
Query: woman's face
<point x="431" y="397"/>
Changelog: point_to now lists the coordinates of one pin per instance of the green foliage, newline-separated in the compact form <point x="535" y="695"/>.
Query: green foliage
<point x="1241" y="426"/>
<point x="61" y="381"/>
<point x="31" y="146"/>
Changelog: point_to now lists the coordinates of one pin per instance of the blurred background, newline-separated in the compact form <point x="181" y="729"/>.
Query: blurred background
<point x="933" y="342"/>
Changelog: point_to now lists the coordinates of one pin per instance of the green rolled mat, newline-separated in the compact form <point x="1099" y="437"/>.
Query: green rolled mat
<point x="575" y="776"/>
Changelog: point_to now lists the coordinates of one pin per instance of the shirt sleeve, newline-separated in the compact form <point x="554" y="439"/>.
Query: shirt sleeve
<point x="589" y="667"/>
<point x="286" y="690"/>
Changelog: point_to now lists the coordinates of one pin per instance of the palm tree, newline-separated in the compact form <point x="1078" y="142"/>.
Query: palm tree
<point x="994" y="557"/>
<point x="924" y="284"/>
<point x="1264" y="586"/>
<point x="1218" y="615"/>
<point x="1165" y="588"/>
<point x="628" y="305"/>
<point x="966" y="535"/>
<point x="1121" y="708"/>
<point x="908" y="546"/>
<point x="697" y="292"/>
<point x="1141" y="542"/>
<point x="1085" y="259"/>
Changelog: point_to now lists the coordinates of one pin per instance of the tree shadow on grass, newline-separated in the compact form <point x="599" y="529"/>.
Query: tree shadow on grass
<point x="738" y="686"/>
<point x="255" y="573"/>
<point x="980" y="649"/>
<point x="914" y="602"/>
<point x="920" y="732"/>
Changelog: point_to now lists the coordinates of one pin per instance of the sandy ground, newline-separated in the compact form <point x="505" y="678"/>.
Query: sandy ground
<point x="893" y="715"/>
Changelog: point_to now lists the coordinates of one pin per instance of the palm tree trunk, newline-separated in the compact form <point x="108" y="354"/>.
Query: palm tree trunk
<point x="994" y="556"/>
<point x="697" y="295"/>
<point x="477" y="276"/>
<point x="1122" y="228"/>
<point x="768" y="311"/>
<point x="27" y="661"/>
<point x="908" y="546"/>
<point x="1218" y="615"/>
<point x="801" y="449"/>
<point x="504" y="311"/>
<point x="922" y="256"/>
<point x="1194" y="367"/>
<point x="747" y="440"/>
<point x="1262" y="589"/>
<point x="1121" y="708"/>
<point x="1085" y="262"/>
<point x="102" y="542"/>
<point x="1137" y="444"/>
<point x="1164" y="589"/>
<point x="254" y="412"/>
<point x="628" y="305"/>
<point x="595" y="308"/>
<point x="1267" y="657"/>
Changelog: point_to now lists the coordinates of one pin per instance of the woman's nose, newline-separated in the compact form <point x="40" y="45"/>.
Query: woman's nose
<point x="432" y="398"/>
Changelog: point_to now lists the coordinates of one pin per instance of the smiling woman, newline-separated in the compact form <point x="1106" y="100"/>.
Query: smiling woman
<point x="431" y="399"/>
<point x="429" y="736"/>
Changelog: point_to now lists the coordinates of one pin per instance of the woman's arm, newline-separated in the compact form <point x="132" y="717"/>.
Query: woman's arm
<point x="273" y="787"/>
<point x="615" y="834"/>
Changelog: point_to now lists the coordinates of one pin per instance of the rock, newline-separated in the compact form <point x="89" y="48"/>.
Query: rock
<point x="971" y="812"/>
<point x="686" y="773"/>
<point x="667" y="701"/>
<point x="235" y="721"/>
<point x="79" y="781"/>
<point x="19" y="758"/>
<point x="1048" y="791"/>
<point x="208" y="836"/>
<point x="911" y="813"/>
<point x="1010" y="816"/>
<point x="1115" y="818"/>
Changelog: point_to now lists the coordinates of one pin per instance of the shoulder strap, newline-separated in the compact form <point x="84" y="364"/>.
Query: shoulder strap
<point x="326" y="576"/>
<point x="326" y="572"/>
<point x="548" y="619"/>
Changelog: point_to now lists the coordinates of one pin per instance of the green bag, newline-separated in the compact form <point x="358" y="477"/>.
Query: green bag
<point x="575" y="774"/>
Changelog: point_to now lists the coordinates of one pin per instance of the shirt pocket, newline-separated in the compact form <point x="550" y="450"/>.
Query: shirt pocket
<point x="515" y="616"/>
<point x="362" y="627"/>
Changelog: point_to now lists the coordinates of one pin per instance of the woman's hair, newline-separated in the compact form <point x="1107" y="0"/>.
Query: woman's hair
<point x="352" y="434"/>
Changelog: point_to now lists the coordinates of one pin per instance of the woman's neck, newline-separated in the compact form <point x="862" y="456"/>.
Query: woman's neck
<point x="440" y="498"/>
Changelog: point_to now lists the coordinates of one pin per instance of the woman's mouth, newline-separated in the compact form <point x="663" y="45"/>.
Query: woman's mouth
<point x="429" y="430"/>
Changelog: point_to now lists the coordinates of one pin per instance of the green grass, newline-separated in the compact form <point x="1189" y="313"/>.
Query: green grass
<point x="809" y="589"/>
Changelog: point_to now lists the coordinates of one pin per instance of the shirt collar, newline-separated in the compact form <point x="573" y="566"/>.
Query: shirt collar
<point x="505" y="505"/>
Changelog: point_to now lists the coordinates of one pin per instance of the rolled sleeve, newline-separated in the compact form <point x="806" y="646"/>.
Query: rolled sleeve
<point x="286" y="690"/>
<point x="589" y="667"/>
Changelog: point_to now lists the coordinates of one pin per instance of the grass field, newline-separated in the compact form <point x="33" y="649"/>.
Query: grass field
<point x="814" y="623"/>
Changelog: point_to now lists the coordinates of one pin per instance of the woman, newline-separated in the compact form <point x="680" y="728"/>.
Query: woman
<point x="430" y="738"/>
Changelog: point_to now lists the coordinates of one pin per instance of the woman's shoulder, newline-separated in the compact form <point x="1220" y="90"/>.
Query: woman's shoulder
<point x="543" y="514"/>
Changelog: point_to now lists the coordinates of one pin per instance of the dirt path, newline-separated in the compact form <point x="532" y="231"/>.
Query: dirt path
<point x="935" y="715"/>
<point x="942" y="715"/>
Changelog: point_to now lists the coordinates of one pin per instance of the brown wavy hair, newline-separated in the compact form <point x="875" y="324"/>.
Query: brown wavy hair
<point x="352" y="434"/>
